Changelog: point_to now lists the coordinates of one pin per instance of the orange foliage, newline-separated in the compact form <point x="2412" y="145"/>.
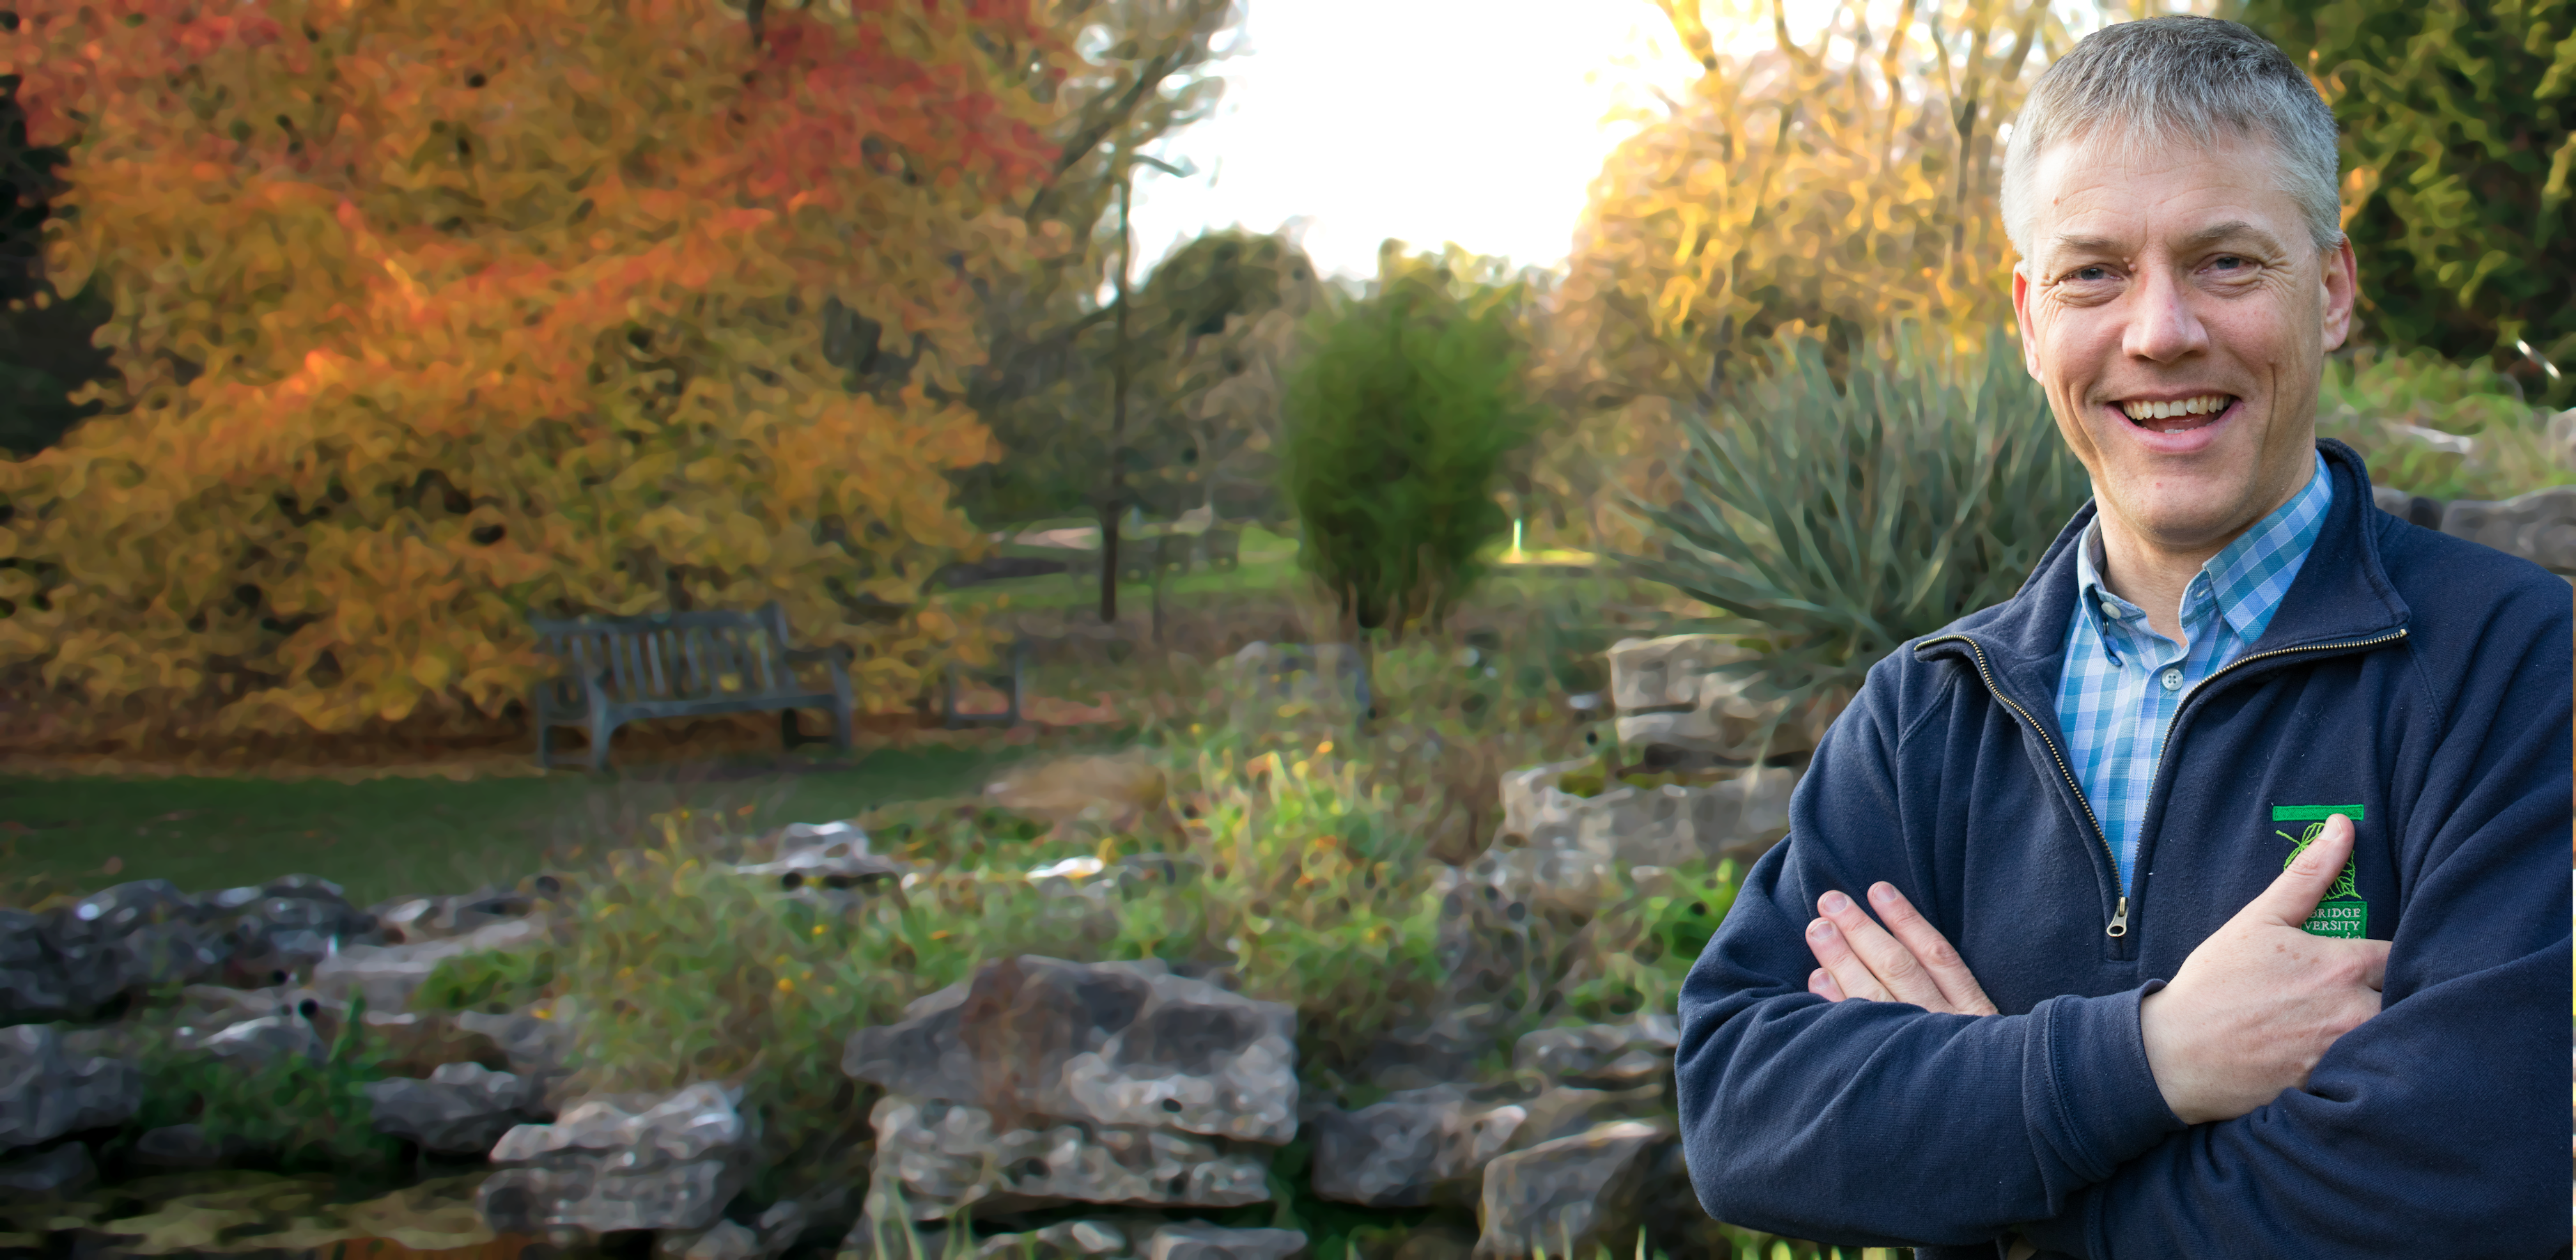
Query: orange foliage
<point x="431" y="316"/>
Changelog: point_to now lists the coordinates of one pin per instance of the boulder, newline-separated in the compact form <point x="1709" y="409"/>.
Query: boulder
<point x="1668" y="672"/>
<point x="32" y="983"/>
<point x="387" y="975"/>
<point x="1618" y="1055"/>
<point x="943" y="1158"/>
<point x="1112" y="1044"/>
<point x="1185" y="1240"/>
<point x="1525" y="791"/>
<point x="723" y="1240"/>
<point x="618" y="1163"/>
<point x="56" y="1172"/>
<point x="462" y="1109"/>
<point x="1739" y="817"/>
<point x="1561" y="1111"/>
<point x="2539" y="526"/>
<point x="44" y="1094"/>
<point x="1437" y="1051"/>
<point x="1064" y="1240"/>
<point x="186" y="1147"/>
<point x="1407" y="1149"/>
<point x="254" y="1042"/>
<point x="538" y="1043"/>
<point x="1573" y="1196"/>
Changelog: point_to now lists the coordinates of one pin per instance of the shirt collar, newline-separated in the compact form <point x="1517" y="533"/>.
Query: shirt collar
<point x="2248" y="577"/>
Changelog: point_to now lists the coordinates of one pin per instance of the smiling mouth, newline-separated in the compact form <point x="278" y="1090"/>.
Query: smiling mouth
<point x="2179" y="415"/>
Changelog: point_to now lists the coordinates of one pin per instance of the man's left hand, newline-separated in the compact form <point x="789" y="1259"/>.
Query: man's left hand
<point x="1863" y="960"/>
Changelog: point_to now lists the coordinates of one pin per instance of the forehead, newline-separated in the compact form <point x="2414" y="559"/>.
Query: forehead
<point x="2119" y="190"/>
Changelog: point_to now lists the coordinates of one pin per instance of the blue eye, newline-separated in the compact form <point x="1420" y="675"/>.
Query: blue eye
<point x="2229" y="261"/>
<point x="2088" y="273"/>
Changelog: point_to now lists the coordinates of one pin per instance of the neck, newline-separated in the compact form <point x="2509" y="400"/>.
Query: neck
<point x="2153" y="575"/>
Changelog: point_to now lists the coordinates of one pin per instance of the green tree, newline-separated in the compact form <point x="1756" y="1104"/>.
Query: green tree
<point x="1400" y="422"/>
<point x="2457" y="143"/>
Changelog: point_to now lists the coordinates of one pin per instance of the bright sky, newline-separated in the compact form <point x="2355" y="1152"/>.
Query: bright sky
<point x="1478" y="121"/>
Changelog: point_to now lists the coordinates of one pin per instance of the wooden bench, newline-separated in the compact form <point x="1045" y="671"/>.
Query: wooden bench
<point x="681" y="664"/>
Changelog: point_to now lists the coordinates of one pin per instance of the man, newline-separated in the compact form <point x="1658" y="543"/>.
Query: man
<point x="2247" y="817"/>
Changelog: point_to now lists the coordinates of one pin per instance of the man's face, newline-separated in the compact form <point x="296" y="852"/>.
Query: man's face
<point x="2179" y="280"/>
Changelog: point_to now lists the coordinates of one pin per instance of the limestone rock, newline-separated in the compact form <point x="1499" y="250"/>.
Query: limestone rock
<point x="44" y="1094"/>
<point x="1399" y="1151"/>
<point x="1668" y="672"/>
<point x="1192" y="1241"/>
<point x="1527" y="791"/>
<point x="387" y="975"/>
<point x="538" y="1042"/>
<point x="55" y="1172"/>
<point x="1116" y="1044"/>
<point x="1738" y="816"/>
<point x="2539" y="526"/>
<point x="629" y="1162"/>
<point x="723" y="1240"/>
<point x="946" y="1157"/>
<point x="1064" y="1240"/>
<point x="1614" y="1054"/>
<point x="462" y="1109"/>
<point x="1570" y="1196"/>
<point x="182" y="1147"/>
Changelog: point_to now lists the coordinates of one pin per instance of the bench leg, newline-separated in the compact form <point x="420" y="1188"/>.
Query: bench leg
<point x="841" y="724"/>
<point x="545" y="744"/>
<point x="600" y="730"/>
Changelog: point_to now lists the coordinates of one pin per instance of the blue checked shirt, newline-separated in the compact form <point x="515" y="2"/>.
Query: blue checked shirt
<point x="2122" y="681"/>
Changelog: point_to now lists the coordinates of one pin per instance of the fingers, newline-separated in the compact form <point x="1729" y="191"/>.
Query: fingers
<point x="1821" y="983"/>
<point x="1891" y="963"/>
<point x="1931" y="949"/>
<point x="1844" y="968"/>
<point x="2374" y="963"/>
<point x="2294" y="896"/>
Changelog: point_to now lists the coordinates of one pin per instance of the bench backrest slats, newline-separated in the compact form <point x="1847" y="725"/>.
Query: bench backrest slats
<point x="673" y="656"/>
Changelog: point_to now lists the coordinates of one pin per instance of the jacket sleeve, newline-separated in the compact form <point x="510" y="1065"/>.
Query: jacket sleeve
<point x="2432" y="1128"/>
<point x="1875" y="1123"/>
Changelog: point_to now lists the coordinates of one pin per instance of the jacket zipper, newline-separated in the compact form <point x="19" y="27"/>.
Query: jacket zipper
<point x="2119" y="925"/>
<point x="2164" y="747"/>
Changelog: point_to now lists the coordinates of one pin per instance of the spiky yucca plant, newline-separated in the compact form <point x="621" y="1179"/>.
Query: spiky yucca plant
<point x="1830" y="523"/>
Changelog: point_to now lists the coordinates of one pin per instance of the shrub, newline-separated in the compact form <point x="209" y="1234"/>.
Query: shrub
<point x="1398" y="424"/>
<point x="311" y="1116"/>
<point x="1828" y="522"/>
<point x="2401" y="411"/>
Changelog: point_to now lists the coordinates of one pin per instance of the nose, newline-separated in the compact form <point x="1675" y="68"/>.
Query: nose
<point x="2162" y="325"/>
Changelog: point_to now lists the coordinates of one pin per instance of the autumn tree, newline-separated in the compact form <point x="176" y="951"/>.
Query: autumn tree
<point x="428" y="317"/>
<point x="1841" y="185"/>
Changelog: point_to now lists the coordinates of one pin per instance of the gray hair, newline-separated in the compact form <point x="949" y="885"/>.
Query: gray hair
<point x="2170" y="78"/>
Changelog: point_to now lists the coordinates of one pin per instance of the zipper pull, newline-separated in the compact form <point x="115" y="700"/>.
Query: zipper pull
<point x="2119" y="920"/>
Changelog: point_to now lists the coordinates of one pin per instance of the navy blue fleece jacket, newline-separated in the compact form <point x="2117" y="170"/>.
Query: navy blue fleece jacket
<point x="2423" y="678"/>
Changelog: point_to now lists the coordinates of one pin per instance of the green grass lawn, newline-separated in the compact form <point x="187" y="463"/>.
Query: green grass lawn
<point x="385" y="837"/>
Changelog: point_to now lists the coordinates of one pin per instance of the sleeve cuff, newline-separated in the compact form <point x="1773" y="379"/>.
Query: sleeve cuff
<point x="2099" y="1100"/>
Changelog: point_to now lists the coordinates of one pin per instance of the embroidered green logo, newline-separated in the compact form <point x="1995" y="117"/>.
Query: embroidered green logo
<point x="2343" y="912"/>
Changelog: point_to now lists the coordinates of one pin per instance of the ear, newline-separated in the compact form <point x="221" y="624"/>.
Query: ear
<point x="2021" y="316"/>
<point x="2342" y="280"/>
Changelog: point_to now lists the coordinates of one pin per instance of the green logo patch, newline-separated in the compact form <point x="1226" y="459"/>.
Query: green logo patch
<point x="2343" y="912"/>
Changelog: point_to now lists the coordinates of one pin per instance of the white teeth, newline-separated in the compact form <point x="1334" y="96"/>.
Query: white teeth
<point x="2200" y="406"/>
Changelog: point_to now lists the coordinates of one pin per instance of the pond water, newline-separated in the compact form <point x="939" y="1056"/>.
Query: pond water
<point x="248" y="1215"/>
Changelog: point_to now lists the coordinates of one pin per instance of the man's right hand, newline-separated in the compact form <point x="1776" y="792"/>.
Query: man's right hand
<point x="2255" y="1007"/>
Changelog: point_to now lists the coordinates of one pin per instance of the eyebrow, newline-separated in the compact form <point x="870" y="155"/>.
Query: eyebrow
<point x="2211" y="235"/>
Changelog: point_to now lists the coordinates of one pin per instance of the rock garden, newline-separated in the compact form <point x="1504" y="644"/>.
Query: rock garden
<point x="1310" y="971"/>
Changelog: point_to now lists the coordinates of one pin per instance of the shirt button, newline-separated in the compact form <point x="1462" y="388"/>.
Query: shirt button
<point x="2110" y="612"/>
<point x="2173" y="680"/>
